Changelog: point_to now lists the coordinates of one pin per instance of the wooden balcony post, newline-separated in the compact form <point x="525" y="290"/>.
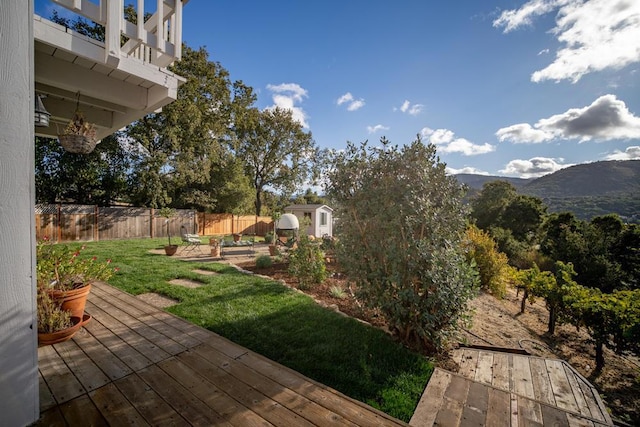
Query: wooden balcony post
<point x="160" y="36"/>
<point x="178" y="30"/>
<point x="113" y="29"/>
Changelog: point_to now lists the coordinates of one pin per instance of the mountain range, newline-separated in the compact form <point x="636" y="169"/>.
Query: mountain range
<point x="587" y="190"/>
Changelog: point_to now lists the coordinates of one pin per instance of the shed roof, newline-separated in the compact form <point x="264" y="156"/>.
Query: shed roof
<point x="312" y="207"/>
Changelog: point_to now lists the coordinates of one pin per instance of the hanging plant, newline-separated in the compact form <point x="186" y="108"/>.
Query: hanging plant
<point x="79" y="136"/>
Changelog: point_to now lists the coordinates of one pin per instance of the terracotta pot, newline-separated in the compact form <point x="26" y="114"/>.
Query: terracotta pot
<point x="215" y="251"/>
<point x="273" y="250"/>
<point x="236" y="237"/>
<point x="73" y="300"/>
<point x="60" y="336"/>
<point x="170" y="249"/>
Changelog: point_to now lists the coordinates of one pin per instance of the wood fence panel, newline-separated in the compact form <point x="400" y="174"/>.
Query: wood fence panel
<point x="47" y="222"/>
<point x="86" y="223"/>
<point x="223" y="224"/>
<point x="124" y="223"/>
<point x="77" y="222"/>
<point x="250" y="224"/>
<point x="46" y="226"/>
<point x="210" y="224"/>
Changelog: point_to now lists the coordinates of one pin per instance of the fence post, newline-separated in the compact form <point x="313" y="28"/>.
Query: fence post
<point x="96" y="234"/>
<point x="59" y="230"/>
<point x="151" y="223"/>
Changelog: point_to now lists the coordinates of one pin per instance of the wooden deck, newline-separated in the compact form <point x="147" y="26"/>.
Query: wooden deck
<point x="503" y="389"/>
<point x="134" y="364"/>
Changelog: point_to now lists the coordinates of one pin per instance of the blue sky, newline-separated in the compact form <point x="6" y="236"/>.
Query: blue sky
<point x="502" y="87"/>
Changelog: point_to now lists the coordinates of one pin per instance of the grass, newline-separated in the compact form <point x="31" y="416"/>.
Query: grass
<point x="285" y="326"/>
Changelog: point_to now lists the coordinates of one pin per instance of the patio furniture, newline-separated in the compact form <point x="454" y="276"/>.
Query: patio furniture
<point x="190" y="241"/>
<point x="237" y="244"/>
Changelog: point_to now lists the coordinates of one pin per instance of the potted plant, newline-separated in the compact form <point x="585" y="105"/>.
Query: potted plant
<point x="67" y="277"/>
<point x="168" y="213"/>
<point x="215" y="247"/>
<point x="79" y="136"/>
<point x="54" y="324"/>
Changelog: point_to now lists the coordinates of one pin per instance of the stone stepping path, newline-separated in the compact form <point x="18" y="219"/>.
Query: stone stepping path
<point x="157" y="300"/>
<point x="205" y="272"/>
<point x="186" y="283"/>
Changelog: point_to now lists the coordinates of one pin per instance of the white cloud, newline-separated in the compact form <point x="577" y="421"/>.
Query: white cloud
<point x="534" y="167"/>
<point x="347" y="97"/>
<point x="446" y="142"/>
<point x="630" y="153"/>
<point x="607" y="118"/>
<point x="376" y="128"/>
<point x="352" y="103"/>
<point x="514" y="19"/>
<point x="466" y="169"/>
<point x="523" y="133"/>
<point x="411" y="109"/>
<point x="596" y="34"/>
<point x="286" y="96"/>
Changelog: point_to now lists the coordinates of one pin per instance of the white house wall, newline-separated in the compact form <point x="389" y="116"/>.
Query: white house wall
<point x="19" y="400"/>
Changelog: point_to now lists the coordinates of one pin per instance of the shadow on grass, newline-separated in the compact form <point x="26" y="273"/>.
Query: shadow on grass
<point x="361" y="361"/>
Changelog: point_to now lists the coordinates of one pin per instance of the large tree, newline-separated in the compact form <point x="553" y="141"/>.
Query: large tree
<point x="98" y="178"/>
<point x="400" y="221"/>
<point x="182" y="147"/>
<point x="488" y="205"/>
<point x="277" y="152"/>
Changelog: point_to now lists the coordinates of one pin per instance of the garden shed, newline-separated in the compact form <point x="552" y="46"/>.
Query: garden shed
<point x="321" y="217"/>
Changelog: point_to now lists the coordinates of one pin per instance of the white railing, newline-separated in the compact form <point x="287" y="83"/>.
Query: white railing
<point x="157" y="41"/>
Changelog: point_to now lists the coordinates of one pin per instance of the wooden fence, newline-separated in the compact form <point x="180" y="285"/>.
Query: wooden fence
<point x="222" y="224"/>
<point x="64" y="223"/>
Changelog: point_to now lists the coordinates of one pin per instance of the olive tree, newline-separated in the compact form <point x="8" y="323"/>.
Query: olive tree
<point x="400" y="221"/>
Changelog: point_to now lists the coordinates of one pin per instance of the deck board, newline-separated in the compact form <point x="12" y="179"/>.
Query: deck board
<point x="135" y="364"/>
<point x="523" y="391"/>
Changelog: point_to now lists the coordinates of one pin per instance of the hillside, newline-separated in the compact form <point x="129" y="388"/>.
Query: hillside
<point x="587" y="190"/>
<point x="591" y="179"/>
<point x="477" y="181"/>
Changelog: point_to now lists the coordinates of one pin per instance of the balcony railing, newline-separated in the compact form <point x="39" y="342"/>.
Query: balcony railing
<point x="157" y="41"/>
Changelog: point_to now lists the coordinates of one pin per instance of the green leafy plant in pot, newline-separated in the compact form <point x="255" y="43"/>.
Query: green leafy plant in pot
<point x="66" y="276"/>
<point x="54" y="324"/>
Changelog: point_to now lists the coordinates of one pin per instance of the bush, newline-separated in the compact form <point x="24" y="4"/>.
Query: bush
<point x="306" y="262"/>
<point x="492" y="264"/>
<point x="264" y="261"/>
<point x="268" y="238"/>
<point x="337" y="292"/>
<point x="400" y="219"/>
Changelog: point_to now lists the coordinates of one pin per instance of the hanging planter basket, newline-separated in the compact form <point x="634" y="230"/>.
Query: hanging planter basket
<point x="78" y="144"/>
<point x="79" y="136"/>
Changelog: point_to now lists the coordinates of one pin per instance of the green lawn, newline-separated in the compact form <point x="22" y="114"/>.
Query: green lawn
<point x="283" y="325"/>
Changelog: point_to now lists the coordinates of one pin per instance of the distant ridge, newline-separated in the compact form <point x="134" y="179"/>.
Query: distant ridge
<point x="477" y="181"/>
<point x="589" y="179"/>
<point x="588" y="189"/>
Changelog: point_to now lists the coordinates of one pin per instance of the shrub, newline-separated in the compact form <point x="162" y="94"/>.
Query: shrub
<point x="492" y="264"/>
<point x="268" y="238"/>
<point x="400" y="219"/>
<point x="337" y="292"/>
<point x="306" y="262"/>
<point x="264" y="261"/>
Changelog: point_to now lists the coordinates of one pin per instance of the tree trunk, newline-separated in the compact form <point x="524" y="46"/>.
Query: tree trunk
<point x="599" y="356"/>
<point x="552" y="320"/>
<point x="523" y="303"/>
<point x="258" y="203"/>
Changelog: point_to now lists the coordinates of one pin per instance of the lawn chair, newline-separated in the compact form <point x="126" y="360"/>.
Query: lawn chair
<point x="189" y="241"/>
